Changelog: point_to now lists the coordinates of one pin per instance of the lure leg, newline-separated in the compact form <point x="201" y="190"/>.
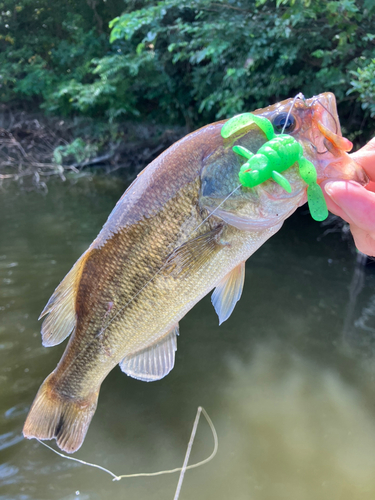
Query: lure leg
<point x="282" y="181"/>
<point x="245" y="153"/>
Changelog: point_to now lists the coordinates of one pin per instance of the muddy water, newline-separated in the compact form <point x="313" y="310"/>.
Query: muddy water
<point x="288" y="380"/>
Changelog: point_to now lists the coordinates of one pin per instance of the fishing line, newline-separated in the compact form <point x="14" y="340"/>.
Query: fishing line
<point x="187" y="455"/>
<point x="328" y="111"/>
<point x="182" y="469"/>
<point x="333" y="118"/>
<point x="298" y="96"/>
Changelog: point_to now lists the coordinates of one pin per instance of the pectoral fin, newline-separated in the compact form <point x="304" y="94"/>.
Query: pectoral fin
<point x="155" y="362"/>
<point x="191" y="256"/>
<point x="228" y="292"/>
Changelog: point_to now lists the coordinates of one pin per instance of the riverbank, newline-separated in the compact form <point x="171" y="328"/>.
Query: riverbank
<point x="34" y="148"/>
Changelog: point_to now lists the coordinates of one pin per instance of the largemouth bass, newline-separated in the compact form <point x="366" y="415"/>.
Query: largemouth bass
<point x="178" y="232"/>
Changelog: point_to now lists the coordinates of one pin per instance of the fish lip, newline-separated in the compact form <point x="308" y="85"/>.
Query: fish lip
<point x="326" y="102"/>
<point x="332" y="150"/>
<point x="336" y="140"/>
<point x="326" y="119"/>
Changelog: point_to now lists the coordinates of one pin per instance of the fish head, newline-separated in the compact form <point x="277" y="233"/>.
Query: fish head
<point x="317" y="129"/>
<point x="314" y="123"/>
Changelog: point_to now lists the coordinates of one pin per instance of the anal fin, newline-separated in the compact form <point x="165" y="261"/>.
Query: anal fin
<point x="154" y="362"/>
<point x="228" y="292"/>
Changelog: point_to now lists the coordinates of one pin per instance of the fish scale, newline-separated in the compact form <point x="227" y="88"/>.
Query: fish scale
<point x="123" y="277"/>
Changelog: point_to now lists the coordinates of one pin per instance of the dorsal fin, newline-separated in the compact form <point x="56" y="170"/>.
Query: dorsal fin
<point x="228" y="292"/>
<point x="154" y="362"/>
<point x="60" y="308"/>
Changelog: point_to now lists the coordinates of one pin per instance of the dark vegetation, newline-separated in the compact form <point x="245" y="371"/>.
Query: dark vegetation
<point x="81" y="86"/>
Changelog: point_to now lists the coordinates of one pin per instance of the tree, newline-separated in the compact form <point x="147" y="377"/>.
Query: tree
<point x="194" y="61"/>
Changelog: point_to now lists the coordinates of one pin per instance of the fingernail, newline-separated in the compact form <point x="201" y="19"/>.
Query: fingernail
<point x="328" y="188"/>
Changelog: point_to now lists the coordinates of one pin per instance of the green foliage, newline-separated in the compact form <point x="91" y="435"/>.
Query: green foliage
<point x="46" y="45"/>
<point x="215" y="59"/>
<point x="78" y="150"/>
<point x="188" y="61"/>
<point x="364" y="84"/>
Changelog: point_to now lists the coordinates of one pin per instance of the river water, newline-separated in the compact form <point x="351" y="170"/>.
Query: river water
<point x="288" y="380"/>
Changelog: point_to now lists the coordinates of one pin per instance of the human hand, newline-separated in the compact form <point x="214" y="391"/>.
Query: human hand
<point x="355" y="203"/>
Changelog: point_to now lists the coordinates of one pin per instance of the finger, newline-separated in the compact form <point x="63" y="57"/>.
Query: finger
<point x="365" y="157"/>
<point x="333" y="207"/>
<point x="363" y="240"/>
<point x="355" y="201"/>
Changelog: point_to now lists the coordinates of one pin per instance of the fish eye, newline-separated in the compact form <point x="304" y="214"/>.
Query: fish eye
<point x="283" y="121"/>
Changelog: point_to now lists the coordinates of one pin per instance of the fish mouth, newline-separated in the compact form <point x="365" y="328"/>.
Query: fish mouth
<point x="337" y="141"/>
<point x="325" y="117"/>
<point x="329" y="144"/>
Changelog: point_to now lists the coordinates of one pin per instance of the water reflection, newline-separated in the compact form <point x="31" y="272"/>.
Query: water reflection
<point x="8" y="473"/>
<point x="288" y="380"/>
<point x="300" y="424"/>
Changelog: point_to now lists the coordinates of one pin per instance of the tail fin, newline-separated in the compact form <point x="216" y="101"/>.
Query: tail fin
<point x="54" y="416"/>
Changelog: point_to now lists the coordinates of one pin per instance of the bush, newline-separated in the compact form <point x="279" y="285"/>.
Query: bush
<point x="193" y="61"/>
<point x="44" y="46"/>
<point x="78" y="150"/>
<point x="215" y="59"/>
<point x="364" y="85"/>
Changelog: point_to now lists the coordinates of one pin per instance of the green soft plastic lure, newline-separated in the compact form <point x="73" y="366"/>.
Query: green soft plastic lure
<point x="275" y="156"/>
